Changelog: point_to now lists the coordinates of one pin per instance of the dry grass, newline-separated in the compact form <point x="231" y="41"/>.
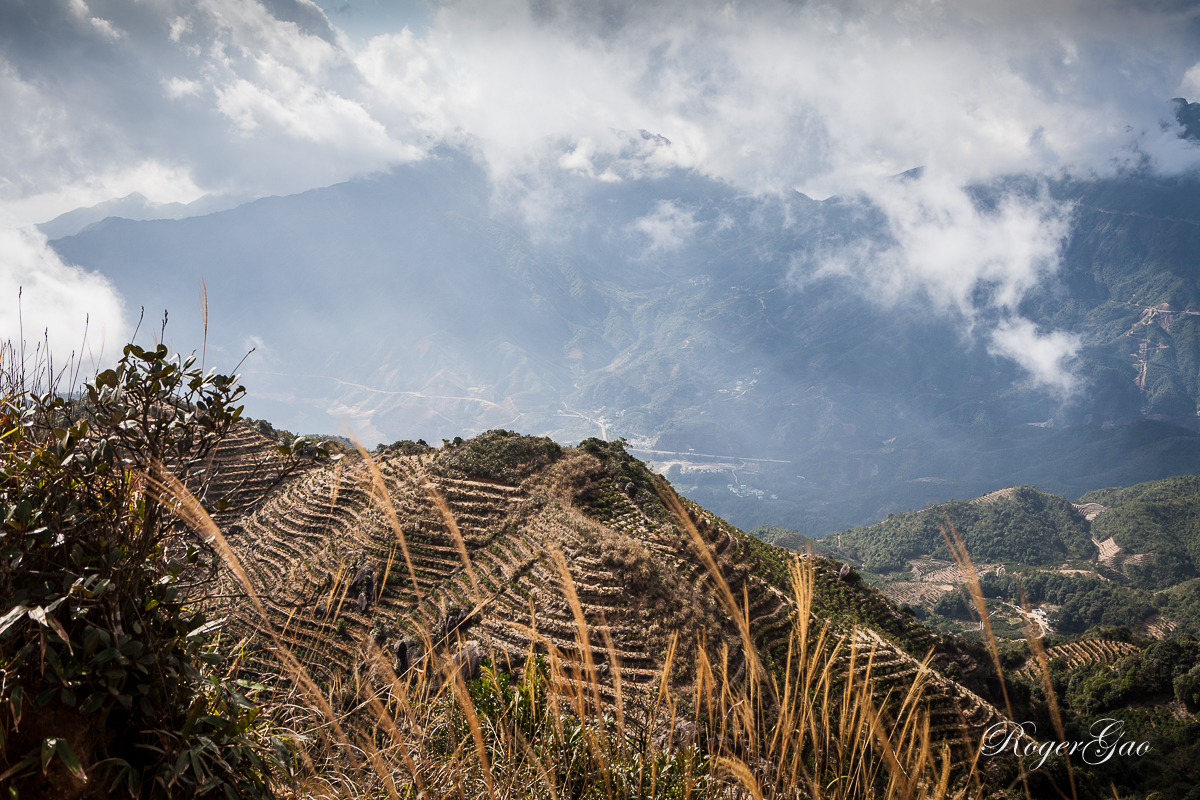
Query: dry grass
<point x="818" y="725"/>
<point x="958" y="549"/>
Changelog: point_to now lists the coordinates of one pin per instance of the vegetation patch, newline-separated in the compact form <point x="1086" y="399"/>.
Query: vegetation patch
<point x="110" y="678"/>
<point x="406" y="447"/>
<point x="502" y="456"/>
<point x="1026" y="525"/>
<point x="629" y="476"/>
<point x="790" y="539"/>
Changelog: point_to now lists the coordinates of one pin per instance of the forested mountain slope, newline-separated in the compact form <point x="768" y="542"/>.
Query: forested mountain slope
<point x="1107" y="586"/>
<point x="1121" y="556"/>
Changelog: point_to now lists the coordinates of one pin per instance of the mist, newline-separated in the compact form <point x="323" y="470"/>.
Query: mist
<point x="52" y="308"/>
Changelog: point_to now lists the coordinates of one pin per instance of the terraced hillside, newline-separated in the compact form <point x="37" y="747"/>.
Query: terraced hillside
<point x="414" y="548"/>
<point x="243" y="468"/>
<point x="1085" y="652"/>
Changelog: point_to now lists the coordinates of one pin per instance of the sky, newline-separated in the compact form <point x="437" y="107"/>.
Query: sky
<point x="178" y="99"/>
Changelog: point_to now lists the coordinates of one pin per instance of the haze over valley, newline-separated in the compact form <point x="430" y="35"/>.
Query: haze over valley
<point x="768" y="387"/>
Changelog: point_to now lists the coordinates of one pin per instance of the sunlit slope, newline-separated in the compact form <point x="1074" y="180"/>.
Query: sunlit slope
<point x="334" y="578"/>
<point x="1120" y="556"/>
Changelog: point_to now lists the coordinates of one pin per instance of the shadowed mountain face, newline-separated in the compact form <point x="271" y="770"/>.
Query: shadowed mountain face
<point x="670" y="312"/>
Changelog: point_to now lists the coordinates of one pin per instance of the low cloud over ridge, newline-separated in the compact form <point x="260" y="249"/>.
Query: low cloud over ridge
<point x="77" y="314"/>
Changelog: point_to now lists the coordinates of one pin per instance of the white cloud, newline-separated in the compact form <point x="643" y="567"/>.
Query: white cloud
<point x="579" y="159"/>
<point x="944" y="244"/>
<point x="667" y="227"/>
<point x="970" y="258"/>
<point x="107" y="28"/>
<point x="179" y="26"/>
<point x="182" y="87"/>
<point x="305" y="111"/>
<point x="1046" y="356"/>
<point x="777" y="95"/>
<point x="80" y="9"/>
<point x="77" y="312"/>
<point x="47" y="166"/>
<point x="159" y="182"/>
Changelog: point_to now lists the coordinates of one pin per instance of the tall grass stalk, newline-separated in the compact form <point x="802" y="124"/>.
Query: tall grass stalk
<point x="958" y="550"/>
<point x="379" y="491"/>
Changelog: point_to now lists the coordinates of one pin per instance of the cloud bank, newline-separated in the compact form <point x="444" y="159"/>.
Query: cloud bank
<point x="76" y="314"/>
<point x="179" y="98"/>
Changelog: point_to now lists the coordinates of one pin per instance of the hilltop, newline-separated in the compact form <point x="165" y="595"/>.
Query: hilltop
<point x="1120" y="556"/>
<point x="485" y="522"/>
<point x="491" y="523"/>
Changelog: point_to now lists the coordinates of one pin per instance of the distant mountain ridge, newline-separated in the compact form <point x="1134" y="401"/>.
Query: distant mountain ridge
<point x="134" y="206"/>
<point x="1020" y="524"/>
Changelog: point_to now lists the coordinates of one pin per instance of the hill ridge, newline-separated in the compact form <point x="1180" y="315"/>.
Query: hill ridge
<point x="333" y="578"/>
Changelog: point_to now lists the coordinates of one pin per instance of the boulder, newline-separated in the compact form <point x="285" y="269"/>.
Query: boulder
<point x="468" y="660"/>
<point x="409" y="653"/>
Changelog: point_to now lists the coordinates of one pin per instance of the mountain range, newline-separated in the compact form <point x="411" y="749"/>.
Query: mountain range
<point x="675" y="312"/>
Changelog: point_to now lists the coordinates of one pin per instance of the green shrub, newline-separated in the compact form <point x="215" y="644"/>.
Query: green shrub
<point x="629" y="475"/>
<point x="105" y="647"/>
<point x="517" y="712"/>
<point x="503" y="456"/>
<point x="407" y="447"/>
<point x="1187" y="688"/>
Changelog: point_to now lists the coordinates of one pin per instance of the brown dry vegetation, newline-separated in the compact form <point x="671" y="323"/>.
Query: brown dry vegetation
<point x="659" y="643"/>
